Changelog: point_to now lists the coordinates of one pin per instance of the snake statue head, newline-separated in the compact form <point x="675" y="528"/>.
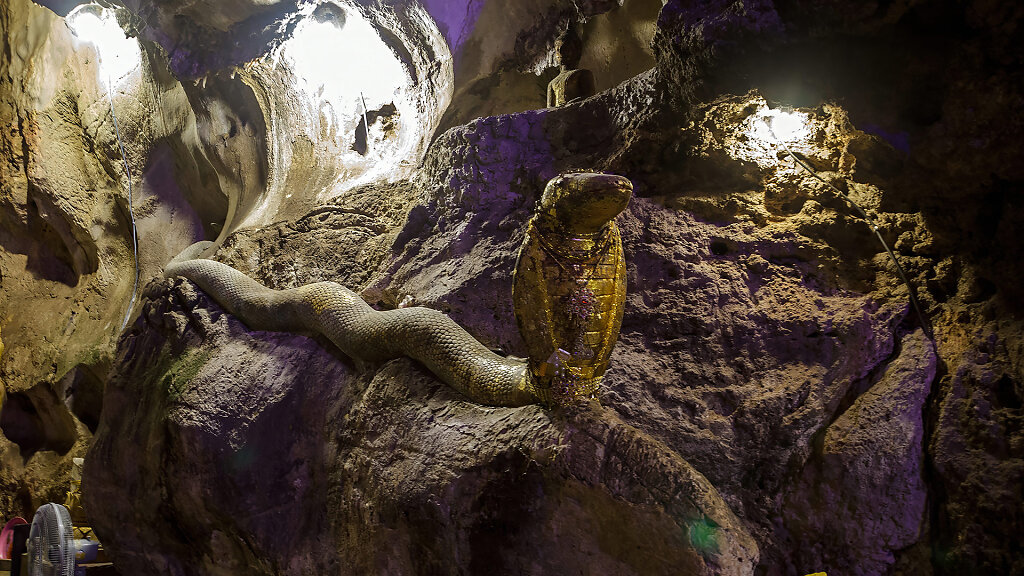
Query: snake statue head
<point x="583" y="202"/>
<point x="569" y="286"/>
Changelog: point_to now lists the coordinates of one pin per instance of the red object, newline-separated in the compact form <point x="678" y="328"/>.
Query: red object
<point x="7" y="537"/>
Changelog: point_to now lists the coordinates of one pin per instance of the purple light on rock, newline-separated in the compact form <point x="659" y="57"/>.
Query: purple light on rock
<point x="455" y="19"/>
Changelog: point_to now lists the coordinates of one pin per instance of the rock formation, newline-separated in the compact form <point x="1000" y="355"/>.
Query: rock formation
<point x="773" y="405"/>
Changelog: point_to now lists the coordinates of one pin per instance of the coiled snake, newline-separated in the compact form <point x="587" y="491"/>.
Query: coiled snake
<point x="426" y="335"/>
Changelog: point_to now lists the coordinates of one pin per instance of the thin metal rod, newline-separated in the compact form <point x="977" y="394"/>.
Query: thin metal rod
<point x="366" y="122"/>
<point x="874" y="228"/>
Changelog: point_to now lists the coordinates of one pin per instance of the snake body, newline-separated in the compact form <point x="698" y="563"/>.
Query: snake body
<point x="361" y="332"/>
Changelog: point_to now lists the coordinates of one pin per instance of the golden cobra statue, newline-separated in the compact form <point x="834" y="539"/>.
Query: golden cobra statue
<point x="570" y="284"/>
<point x="569" y="289"/>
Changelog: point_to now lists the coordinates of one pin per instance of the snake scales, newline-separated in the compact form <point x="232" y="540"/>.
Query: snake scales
<point x="359" y="331"/>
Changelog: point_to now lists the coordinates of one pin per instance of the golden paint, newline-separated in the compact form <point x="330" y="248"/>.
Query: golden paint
<point x="555" y="263"/>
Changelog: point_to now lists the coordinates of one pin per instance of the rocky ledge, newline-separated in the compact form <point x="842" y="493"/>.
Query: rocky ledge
<point x="305" y="465"/>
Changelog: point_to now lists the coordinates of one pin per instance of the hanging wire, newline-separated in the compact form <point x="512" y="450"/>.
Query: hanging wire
<point x="102" y="6"/>
<point x="870" y="221"/>
<point x="131" y="208"/>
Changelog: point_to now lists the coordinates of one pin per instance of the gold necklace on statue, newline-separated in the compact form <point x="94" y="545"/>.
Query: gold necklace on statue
<point x="579" y="307"/>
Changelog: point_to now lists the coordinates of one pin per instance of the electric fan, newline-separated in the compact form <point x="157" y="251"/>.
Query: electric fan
<point x="51" y="551"/>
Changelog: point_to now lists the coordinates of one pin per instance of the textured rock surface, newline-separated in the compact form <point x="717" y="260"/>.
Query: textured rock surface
<point x="321" y="469"/>
<point x="66" y="260"/>
<point x="865" y="497"/>
<point x="65" y="243"/>
<point x="739" y="347"/>
<point x="770" y="391"/>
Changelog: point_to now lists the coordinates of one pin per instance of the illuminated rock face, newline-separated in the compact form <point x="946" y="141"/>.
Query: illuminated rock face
<point x="66" y="262"/>
<point x="771" y="405"/>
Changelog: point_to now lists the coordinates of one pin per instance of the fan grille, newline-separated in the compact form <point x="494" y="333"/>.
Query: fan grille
<point x="50" y="549"/>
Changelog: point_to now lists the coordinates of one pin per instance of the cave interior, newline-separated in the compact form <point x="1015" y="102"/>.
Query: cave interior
<point x="820" y="364"/>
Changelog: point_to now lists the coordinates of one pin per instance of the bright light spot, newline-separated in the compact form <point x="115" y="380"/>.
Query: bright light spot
<point x="346" y="76"/>
<point x="764" y="134"/>
<point x="704" y="535"/>
<point x="778" y="126"/>
<point x="788" y="126"/>
<point x="335" y="64"/>
<point x="119" y="55"/>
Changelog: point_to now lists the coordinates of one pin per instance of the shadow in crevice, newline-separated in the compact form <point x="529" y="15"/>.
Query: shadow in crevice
<point x="36" y="420"/>
<point x="47" y="255"/>
<point x="83" y="394"/>
<point x="50" y="259"/>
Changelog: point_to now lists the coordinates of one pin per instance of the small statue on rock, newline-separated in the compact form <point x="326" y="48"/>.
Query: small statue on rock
<point x="572" y="83"/>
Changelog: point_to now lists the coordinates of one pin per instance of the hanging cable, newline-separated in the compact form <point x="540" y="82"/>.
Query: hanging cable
<point x="131" y="208"/>
<point x="874" y="228"/>
<point x="94" y="23"/>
